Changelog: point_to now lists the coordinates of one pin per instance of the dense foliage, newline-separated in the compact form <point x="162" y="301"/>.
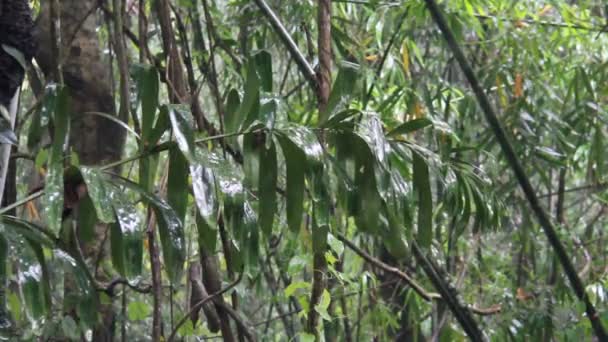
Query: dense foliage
<point x="244" y="187"/>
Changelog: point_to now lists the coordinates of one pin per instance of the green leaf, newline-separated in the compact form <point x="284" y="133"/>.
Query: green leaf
<point x="28" y="230"/>
<point x="147" y="85"/>
<point x="14" y="304"/>
<point x="5" y="320"/>
<point x="117" y="248"/>
<point x="342" y="91"/>
<point x="305" y="337"/>
<point x="177" y="184"/>
<point x="138" y="311"/>
<point x="70" y="328"/>
<point x="267" y="189"/>
<point x="410" y="126"/>
<point x="87" y="219"/>
<point x="182" y="129"/>
<point x="263" y="61"/>
<point x="248" y="110"/>
<point x="97" y="192"/>
<point x="250" y="241"/>
<point x="293" y="287"/>
<point x="170" y="229"/>
<point x="252" y="146"/>
<point x="126" y="237"/>
<point x="16" y="54"/>
<point x="422" y="186"/>
<point x="323" y="305"/>
<point x="206" y="203"/>
<point x="295" y="161"/>
<point x="53" y="189"/>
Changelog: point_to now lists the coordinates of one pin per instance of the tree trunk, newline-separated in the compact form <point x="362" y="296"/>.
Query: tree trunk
<point x="86" y="73"/>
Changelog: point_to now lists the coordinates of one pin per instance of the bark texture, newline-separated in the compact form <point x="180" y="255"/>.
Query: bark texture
<point x="86" y="72"/>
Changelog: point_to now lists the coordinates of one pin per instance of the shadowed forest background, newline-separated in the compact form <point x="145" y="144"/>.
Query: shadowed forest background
<point x="327" y="170"/>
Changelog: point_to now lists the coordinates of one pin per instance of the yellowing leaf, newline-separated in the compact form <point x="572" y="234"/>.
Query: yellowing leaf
<point x="418" y="110"/>
<point x="545" y="10"/>
<point x="405" y="59"/>
<point x="32" y="212"/>
<point x="371" y="58"/>
<point x="522" y="294"/>
<point x="520" y="24"/>
<point x="500" y="91"/>
<point x="518" y="88"/>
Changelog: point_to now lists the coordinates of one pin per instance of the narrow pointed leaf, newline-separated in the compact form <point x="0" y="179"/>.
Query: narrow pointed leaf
<point x="267" y="189"/>
<point x="263" y="60"/>
<point x="422" y="185"/>
<point x="170" y="229"/>
<point x="98" y="193"/>
<point x="177" y="184"/>
<point x="53" y="189"/>
<point x="146" y="81"/>
<point x="410" y="126"/>
<point x="204" y="195"/>
<point x="5" y="320"/>
<point x="295" y="161"/>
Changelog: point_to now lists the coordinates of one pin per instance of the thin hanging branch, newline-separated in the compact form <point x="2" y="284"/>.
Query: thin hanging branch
<point x="518" y="169"/>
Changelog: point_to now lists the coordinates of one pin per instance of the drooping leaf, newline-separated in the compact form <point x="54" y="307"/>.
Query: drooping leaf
<point x="147" y="85"/>
<point x="263" y="60"/>
<point x="170" y="229"/>
<point x="183" y="131"/>
<point x="248" y="110"/>
<point x="410" y="126"/>
<point x="295" y="161"/>
<point x="53" y="189"/>
<point x="126" y="237"/>
<point x="422" y="186"/>
<point x="267" y="189"/>
<point x="87" y="219"/>
<point x="177" y="183"/>
<point x="31" y="281"/>
<point x="137" y="311"/>
<point x="29" y="230"/>
<point x="251" y="239"/>
<point x="5" y="321"/>
<point x="203" y="185"/>
<point x="342" y="91"/>
<point x="98" y="193"/>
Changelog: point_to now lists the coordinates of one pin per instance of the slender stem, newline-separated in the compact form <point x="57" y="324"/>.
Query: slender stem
<point x="293" y="49"/>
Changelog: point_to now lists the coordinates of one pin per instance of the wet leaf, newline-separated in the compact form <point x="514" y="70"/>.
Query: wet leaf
<point x="147" y="85"/>
<point x="410" y="126"/>
<point x="422" y="186"/>
<point x="5" y="320"/>
<point x="177" y="183"/>
<point x="170" y="229"/>
<point x="248" y="110"/>
<point x="342" y="91"/>
<point x="267" y="189"/>
<point x="263" y="61"/>
<point x="97" y="192"/>
<point x="295" y="161"/>
<point x="53" y="189"/>
<point x="126" y="237"/>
